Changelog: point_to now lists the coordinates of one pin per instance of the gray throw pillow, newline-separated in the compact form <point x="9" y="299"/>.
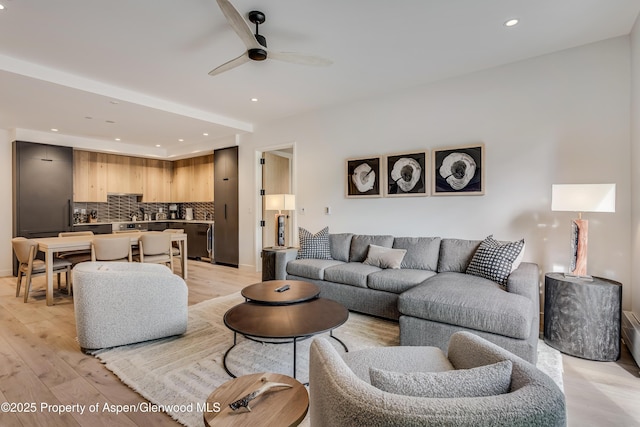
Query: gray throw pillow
<point x="488" y="380"/>
<point x="382" y="257"/>
<point x="314" y="246"/>
<point x="495" y="260"/>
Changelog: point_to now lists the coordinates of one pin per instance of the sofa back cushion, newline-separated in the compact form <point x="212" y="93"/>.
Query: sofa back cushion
<point x="360" y="245"/>
<point x="340" y="245"/>
<point x="456" y="254"/>
<point x="422" y="252"/>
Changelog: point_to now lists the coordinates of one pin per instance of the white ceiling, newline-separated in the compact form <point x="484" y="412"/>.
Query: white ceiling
<point x="64" y="61"/>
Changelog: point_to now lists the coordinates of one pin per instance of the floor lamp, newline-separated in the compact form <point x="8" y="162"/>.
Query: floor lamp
<point x="280" y="202"/>
<point x="582" y="198"/>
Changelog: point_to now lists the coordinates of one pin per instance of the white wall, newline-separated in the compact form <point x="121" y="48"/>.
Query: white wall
<point x="635" y="161"/>
<point x="6" y="252"/>
<point x="560" y="118"/>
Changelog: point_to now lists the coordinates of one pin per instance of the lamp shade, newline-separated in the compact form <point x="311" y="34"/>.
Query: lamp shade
<point x="583" y="197"/>
<point x="280" y="202"/>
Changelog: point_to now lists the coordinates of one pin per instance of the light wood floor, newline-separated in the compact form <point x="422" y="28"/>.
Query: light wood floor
<point x="41" y="363"/>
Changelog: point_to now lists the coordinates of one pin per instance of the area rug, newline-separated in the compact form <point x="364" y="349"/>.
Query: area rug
<point x="179" y="373"/>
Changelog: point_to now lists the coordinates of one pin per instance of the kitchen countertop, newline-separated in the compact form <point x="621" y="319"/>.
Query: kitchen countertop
<point x="194" y="221"/>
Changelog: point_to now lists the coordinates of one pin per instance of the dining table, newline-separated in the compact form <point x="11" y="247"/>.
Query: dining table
<point x="50" y="246"/>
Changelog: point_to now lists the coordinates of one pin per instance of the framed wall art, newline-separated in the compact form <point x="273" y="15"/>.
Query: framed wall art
<point x="364" y="177"/>
<point x="458" y="171"/>
<point x="406" y="174"/>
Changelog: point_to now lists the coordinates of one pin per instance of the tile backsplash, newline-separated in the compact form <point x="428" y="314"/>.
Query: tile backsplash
<point x="120" y="208"/>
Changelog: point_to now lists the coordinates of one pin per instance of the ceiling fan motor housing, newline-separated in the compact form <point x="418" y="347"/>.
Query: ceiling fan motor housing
<point x="259" y="54"/>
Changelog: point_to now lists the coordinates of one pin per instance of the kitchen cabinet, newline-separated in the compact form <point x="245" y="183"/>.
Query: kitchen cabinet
<point x="42" y="190"/>
<point x="196" y="240"/>
<point x="96" y="229"/>
<point x="193" y="179"/>
<point x="226" y="227"/>
<point x="124" y="174"/>
<point x="89" y="176"/>
<point x="156" y="180"/>
<point x="158" y="226"/>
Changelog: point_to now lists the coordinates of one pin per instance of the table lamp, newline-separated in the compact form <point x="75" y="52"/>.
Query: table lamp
<point x="582" y="198"/>
<point x="280" y="202"/>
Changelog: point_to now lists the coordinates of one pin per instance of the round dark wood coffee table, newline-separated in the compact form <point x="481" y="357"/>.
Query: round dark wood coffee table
<point x="265" y="292"/>
<point x="281" y="324"/>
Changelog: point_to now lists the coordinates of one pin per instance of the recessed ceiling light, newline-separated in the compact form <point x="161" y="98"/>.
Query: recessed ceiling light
<point x="88" y="117"/>
<point x="1" y="7"/>
<point x="109" y="121"/>
<point x="181" y="140"/>
<point x="205" y="134"/>
<point x="158" y="145"/>
<point x="117" y="139"/>
<point x="254" y="99"/>
<point x="511" y="22"/>
<point x="54" y="130"/>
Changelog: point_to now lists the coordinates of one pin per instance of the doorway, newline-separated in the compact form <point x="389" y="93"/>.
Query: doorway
<point x="277" y="178"/>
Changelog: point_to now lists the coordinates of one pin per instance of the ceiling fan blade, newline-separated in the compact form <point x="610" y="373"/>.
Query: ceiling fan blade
<point x="230" y="64"/>
<point x="238" y="24"/>
<point x="298" y="58"/>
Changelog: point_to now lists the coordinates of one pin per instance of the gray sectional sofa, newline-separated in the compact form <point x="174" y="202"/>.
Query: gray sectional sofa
<point x="431" y="295"/>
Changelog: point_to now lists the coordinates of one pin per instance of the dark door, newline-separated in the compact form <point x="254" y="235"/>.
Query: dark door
<point x="43" y="189"/>
<point x="226" y="221"/>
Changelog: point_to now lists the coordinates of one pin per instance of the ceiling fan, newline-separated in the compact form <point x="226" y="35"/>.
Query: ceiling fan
<point x="256" y="43"/>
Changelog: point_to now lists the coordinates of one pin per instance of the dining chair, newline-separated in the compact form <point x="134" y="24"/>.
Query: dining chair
<point x="30" y="266"/>
<point x="77" y="256"/>
<point x="176" y="247"/>
<point x="155" y="247"/>
<point x="111" y="248"/>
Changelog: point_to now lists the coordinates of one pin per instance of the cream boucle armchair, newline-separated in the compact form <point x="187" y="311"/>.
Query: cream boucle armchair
<point x="118" y="303"/>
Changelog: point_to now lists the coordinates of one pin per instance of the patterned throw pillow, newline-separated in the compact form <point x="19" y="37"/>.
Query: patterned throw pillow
<point x="494" y="260"/>
<point x="314" y="246"/>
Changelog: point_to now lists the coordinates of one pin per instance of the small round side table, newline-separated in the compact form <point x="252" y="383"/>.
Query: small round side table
<point x="582" y="317"/>
<point x="286" y="407"/>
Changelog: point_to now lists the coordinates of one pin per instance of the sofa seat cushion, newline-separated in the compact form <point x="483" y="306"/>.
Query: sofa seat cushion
<point x="471" y="302"/>
<point x="397" y="280"/>
<point x="311" y="268"/>
<point x="352" y="273"/>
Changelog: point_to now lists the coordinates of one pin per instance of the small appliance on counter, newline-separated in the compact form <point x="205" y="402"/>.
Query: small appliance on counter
<point x="189" y="214"/>
<point x="173" y="211"/>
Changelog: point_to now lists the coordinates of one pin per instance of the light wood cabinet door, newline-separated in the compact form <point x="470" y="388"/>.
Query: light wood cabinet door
<point x="157" y="181"/>
<point x="89" y="176"/>
<point x="124" y="174"/>
<point x="193" y="179"/>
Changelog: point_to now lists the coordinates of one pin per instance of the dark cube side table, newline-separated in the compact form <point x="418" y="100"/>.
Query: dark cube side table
<point x="581" y="317"/>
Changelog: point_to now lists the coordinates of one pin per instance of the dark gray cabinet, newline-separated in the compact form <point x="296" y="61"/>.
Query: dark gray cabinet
<point x="96" y="229"/>
<point x="226" y="227"/>
<point x="42" y="189"/>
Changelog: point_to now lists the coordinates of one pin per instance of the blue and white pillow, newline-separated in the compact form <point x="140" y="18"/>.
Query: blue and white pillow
<point x="314" y="246"/>
<point x="495" y="260"/>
